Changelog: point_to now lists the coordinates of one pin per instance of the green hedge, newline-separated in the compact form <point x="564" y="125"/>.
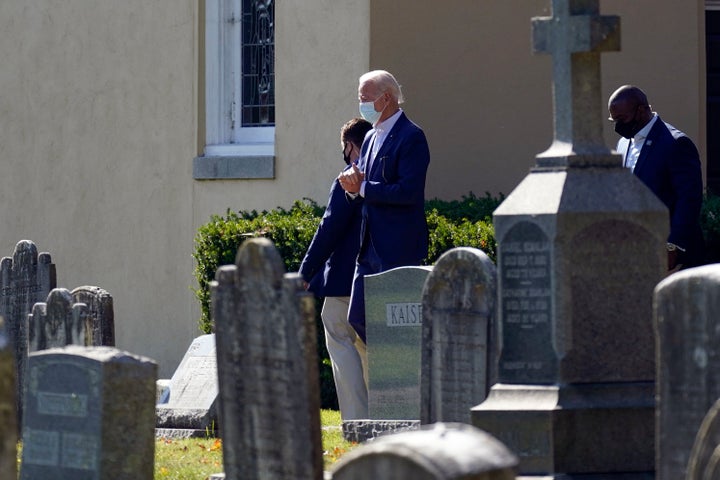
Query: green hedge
<point x="466" y="222"/>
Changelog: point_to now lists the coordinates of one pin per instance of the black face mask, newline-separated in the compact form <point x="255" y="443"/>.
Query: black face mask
<point x="346" y="156"/>
<point x="628" y="129"/>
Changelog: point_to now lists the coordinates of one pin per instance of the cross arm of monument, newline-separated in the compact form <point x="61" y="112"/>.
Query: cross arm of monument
<point x="575" y="36"/>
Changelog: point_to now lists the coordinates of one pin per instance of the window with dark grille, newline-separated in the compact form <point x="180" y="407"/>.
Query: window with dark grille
<point x="258" y="63"/>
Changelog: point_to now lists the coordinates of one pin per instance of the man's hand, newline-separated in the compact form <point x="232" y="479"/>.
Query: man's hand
<point x="351" y="179"/>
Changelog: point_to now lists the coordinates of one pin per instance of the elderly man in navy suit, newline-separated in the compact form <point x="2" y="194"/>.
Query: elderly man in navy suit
<point x="666" y="160"/>
<point x="389" y="181"/>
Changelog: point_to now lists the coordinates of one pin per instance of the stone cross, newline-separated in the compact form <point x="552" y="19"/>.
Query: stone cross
<point x="575" y="35"/>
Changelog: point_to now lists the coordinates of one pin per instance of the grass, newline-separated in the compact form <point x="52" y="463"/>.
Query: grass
<point x="197" y="459"/>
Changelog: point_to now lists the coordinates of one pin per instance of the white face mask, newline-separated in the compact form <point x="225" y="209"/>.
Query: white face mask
<point x="367" y="111"/>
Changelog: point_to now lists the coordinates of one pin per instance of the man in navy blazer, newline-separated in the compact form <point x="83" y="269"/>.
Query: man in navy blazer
<point x="667" y="161"/>
<point x="389" y="182"/>
<point x="328" y="269"/>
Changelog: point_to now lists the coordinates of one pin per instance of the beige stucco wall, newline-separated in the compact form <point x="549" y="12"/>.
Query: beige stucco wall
<point x="484" y="100"/>
<point x="97" y="133"/>
<point x="101" y="116"/>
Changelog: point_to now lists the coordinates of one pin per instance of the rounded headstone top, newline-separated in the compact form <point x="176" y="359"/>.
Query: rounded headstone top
<point x="451" y="448"/>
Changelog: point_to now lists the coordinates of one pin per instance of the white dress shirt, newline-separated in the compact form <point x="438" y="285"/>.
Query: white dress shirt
<point x="637" y="142"/>
<point x="382" y="129"/>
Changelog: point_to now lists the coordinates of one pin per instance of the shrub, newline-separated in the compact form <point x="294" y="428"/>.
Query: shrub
<point x="451" y="224"/>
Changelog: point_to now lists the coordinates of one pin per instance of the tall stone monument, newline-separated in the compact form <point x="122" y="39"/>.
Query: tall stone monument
<point x="687" y="311"/>
<point x="269" y="404"/>
<point x="581" y="245"/>
<point x="25" y="279"/>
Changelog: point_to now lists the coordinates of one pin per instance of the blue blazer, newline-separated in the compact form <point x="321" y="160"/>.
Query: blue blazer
<point x="393" y="208"/>
<point x="669" y="165"/>
<point x="329" y="262"/>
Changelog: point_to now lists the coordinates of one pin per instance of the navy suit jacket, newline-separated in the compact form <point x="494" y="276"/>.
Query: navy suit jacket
<point x="669" y="165"/>
<point x="329" y="263"/>
<point x="393" y="207"/>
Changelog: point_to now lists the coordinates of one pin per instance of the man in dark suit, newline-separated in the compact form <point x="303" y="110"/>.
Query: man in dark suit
<point x="328" y="269"/>
<point x="389" y="181"/>
<point x="666" y="160"/>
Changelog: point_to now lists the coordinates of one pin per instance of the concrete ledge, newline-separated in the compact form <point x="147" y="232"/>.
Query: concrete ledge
<point x="362" y="430"/>
<point x="232" y="167"/>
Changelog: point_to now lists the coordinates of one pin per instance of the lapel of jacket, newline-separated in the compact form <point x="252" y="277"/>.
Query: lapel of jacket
<point x="387" y="144"/>
<point x="649" y="144"/>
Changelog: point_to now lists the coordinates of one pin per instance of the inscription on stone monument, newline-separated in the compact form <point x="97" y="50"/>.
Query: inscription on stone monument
<point x="525" y="286"/>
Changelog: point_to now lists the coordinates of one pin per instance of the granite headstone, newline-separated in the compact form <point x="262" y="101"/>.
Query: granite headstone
<point x="100" y="314"/>
<point x="267" y="368"/>
<point x="89" y="415"/>
<point x="188" y="407"/>
<point x="57" y="322"/>
<point x="441" y="451"/>
<point x="25" y="279"/>
<point x="458" y="309"/>
<point x="687" y="322"/>
<point x="705" y="454"/>
<point x="8" y="413"/>
<point x="393" y="323"/>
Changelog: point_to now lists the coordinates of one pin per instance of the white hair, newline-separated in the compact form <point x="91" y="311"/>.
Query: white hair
<point x="385" y="82"/>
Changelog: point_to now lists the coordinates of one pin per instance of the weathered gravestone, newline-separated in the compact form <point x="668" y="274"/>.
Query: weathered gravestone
<point x="704" y="463"/>
<point x="57" y="322"/>
<point x="188" y="407"/>
<point x="267" y="368"/>
<point x="8" y="414"/>
<point x="687" y="320"/>
<point x="393" y="323"/>
<point x="100" y="314"/>
<point x="25" y="279"/>
<point x="442" y="451"/>
<point x="581" y="245"/>
<point x="89" y="415"/>
<point x="458" y="349"/>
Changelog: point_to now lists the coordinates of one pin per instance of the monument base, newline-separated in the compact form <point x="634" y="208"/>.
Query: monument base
<point x="579" y="431"/>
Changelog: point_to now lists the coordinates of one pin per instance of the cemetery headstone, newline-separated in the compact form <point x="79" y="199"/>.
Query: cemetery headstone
<point x="267" y="368"/>
<point x="188" y="406"/>
<point x="25" y="279"/>
<point x="441" y="451"/>
<point x="687" y="313"/>
<point x="458" y="309"/>
<point x="705" y="454"/>
<point x="581" y="246"/>
<point x="100" y="314"/>
<point x="89" y="415"/>
<point x="393" y="325"/>
<point x="57" y="322"/>
<point x="8" y="414"/>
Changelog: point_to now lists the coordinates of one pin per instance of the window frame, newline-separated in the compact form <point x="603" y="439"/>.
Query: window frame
<point x="242" y="152"/>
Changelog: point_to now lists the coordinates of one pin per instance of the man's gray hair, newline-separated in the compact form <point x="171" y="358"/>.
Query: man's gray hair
<point x="385" y="83"/>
